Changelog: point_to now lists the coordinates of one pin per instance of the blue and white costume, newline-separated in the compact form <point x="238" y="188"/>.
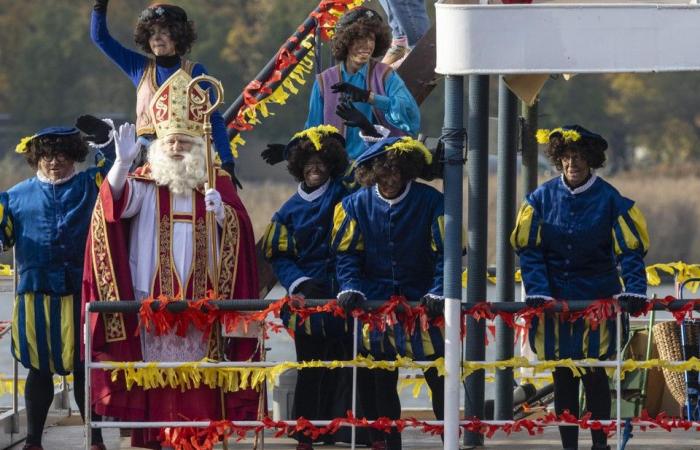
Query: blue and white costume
<point x="47" y="223"/>
<point x="391" y="247"/>
<point x="574" y="244"/>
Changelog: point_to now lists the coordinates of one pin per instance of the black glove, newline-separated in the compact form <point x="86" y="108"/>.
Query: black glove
<point x="355" y="93"/>
<point x="350" y="300"/>
<point x="97" y="131"/>
<point x="535" y="301"/>
<point x="434" y="305"/>
<point x="353" y="117"/>
<point x="633" y="304"/>
<point x="100" y="6"/>
<point x="311" y="289"/>
<point x="230" y="168"/>
<point x="273" y="154"/>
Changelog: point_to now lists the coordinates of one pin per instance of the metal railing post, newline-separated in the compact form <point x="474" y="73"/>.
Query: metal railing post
<point x="88" y="361"/>
<point x="453" y="137"/>
<point x="353" y="430"/>
<point x="477" y="235"/>
<point x="505" y="256"/>
<point x="618" y="378"/>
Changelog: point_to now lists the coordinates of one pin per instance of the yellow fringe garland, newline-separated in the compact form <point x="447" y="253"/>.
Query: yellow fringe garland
<point x="680" y="270"/>
<point x="231" y="379"/>
<point x="6" y="270"/>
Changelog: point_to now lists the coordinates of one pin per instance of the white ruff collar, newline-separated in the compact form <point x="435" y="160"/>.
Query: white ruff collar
<point x="394" y="201"/>
<point x="44" y="179"/>
<point x="584" y="187"/>
<point x="313" y="195"/>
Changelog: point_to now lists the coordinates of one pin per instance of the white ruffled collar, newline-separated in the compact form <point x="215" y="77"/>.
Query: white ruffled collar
<point x="584" y="187"/>
<point x="313" y="195"/>
<point x="46" y="180"/>
<point x="394" y="201"/>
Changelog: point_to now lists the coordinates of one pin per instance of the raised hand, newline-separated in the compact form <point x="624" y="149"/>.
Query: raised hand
<point x="273" y="154"/>
<point x="353" y="117"/>
<point x="125" y="145"/>
<point x="355" y="93"/>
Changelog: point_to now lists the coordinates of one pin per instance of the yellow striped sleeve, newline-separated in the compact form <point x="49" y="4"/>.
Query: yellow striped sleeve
<point x="6" y="226"/>
<point x="277" y="241"/>
<point x="267" y="240"/>
<point x="520" y="237"/>
<point x="440" y="238"/>
<point x="344" y="231"/>
<point x="632" y="227"/>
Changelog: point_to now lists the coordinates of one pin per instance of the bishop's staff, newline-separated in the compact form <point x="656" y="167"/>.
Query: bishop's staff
<point x="201" y="101"/>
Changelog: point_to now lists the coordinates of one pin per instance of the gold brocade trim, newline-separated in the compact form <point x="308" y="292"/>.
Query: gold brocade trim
<point x="200" y="272"/>
<point x="164" y="271"/>
<point x="230" y="245"/>
<point x="103" y="270"/>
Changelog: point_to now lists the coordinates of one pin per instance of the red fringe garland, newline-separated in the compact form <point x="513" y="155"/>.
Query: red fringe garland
<point x="190" y="438"/>
<point x="326" y="17"/>
<point x="396" y="311"/>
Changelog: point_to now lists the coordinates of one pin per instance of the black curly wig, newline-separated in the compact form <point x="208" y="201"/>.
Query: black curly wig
<point x="410" y="164"/>
<point x="592" y="151"/>
<point x="332" y="154"/>
<point x="173" y="18"/>
<point x="360" y="28"/>
<point x="72" y="146"/>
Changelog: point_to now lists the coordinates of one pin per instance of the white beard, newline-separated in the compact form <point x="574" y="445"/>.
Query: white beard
<point x="179" y="176"/>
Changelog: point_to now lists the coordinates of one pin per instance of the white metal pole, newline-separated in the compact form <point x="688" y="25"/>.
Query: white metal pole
<point x="618" y="375"/>
<point x="353" y="430"/>
<point x="452" y="372"/>
<point x="88" y="359"/>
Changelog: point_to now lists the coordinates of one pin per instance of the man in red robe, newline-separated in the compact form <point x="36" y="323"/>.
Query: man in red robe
<point x="148" y="237"/>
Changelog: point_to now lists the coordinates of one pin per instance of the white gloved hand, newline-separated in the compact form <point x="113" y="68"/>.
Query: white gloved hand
<point x="126" y="147"/>
<point x="212" y="200"/>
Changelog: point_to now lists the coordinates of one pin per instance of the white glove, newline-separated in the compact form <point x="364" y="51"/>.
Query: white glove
<point x="213" y="202"/>
<point x="125" y="144"/>
<point x="126" y="149"/>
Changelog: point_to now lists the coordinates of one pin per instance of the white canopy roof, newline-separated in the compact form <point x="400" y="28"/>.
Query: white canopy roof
<point x="566" y="37"/>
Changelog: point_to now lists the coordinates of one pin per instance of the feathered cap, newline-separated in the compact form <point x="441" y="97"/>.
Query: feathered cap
<point x="22" y="147"/>
<point x="315" y="135"/>
<point x="403" y="144"/>
<point x="572" y="133"/>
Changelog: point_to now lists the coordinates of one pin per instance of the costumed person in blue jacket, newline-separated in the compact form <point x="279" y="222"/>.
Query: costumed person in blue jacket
<point x="297" y="243"/>
<point x="388" y="239"/>
<point x="46" y="219"/>
<point x="371" y="86"/>
<point x="164" y="32"/>
<point x="576" y="236"/>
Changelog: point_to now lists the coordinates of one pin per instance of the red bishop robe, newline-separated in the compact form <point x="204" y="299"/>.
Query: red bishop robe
<point x="107" y="277"/>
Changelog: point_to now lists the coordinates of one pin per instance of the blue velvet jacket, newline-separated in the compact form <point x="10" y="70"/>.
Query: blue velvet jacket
<point x="390" y="247"/>
<point x="571" y="242"/>
<point x="48" y="226"/>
